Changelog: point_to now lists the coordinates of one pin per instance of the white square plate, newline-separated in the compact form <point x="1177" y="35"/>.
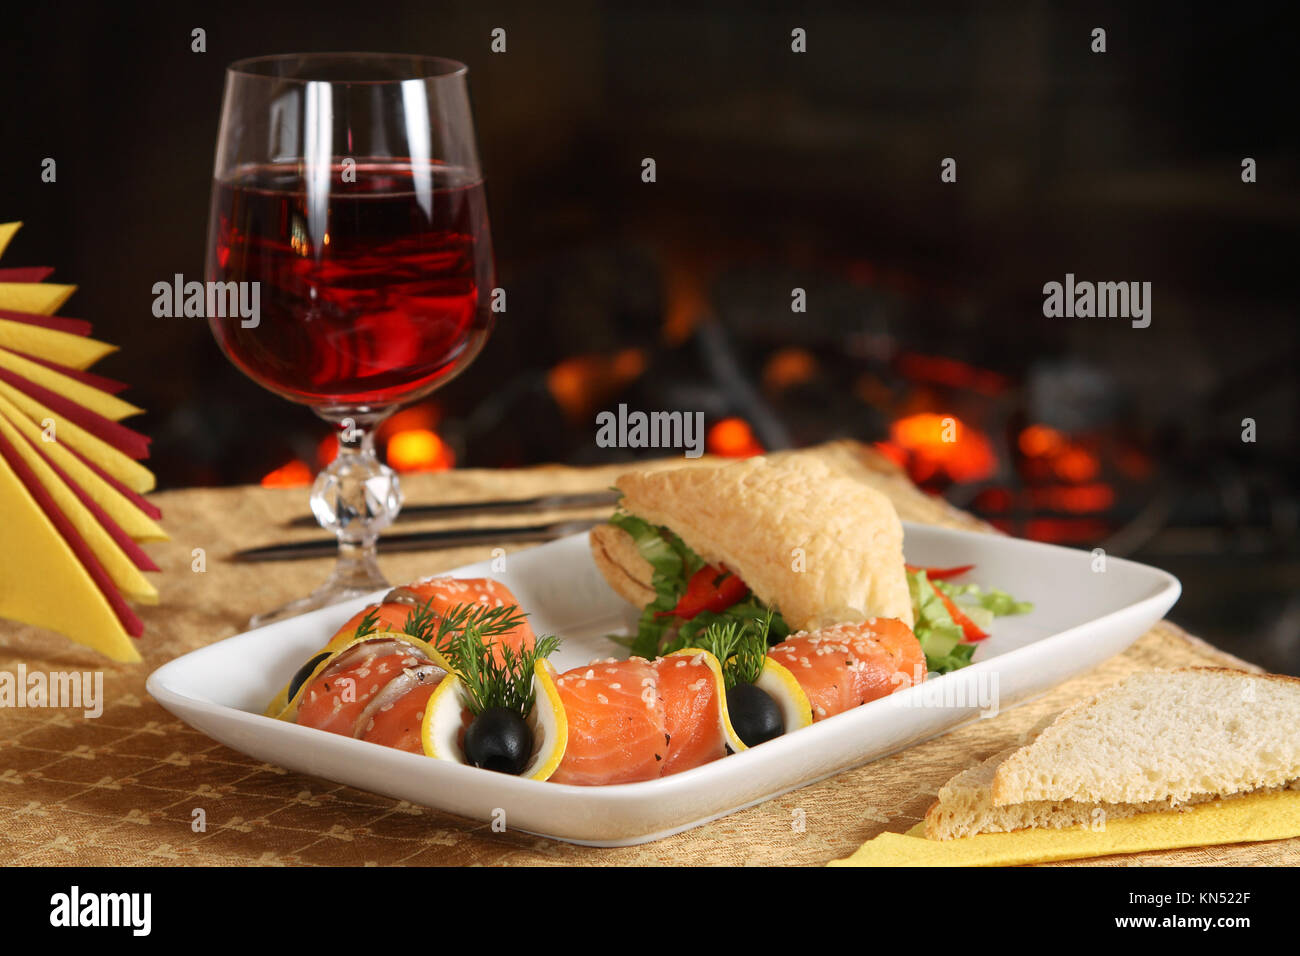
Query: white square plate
<point x="1080" y="618"/>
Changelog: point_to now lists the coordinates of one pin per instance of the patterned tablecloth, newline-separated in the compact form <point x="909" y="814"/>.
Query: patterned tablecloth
<point x="122" y="789"/>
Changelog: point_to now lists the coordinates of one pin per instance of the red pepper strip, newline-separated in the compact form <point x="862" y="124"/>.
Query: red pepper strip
<point x="940" y="574"/>
<point x="709" y="589"/>
<point x="968" y="627"/>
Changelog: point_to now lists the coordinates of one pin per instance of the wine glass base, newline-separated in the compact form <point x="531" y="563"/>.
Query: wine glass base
<point x="351" y="579"/>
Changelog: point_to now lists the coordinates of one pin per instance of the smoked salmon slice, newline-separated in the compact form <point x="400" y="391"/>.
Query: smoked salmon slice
<point x="391" y="616"/>
<point x="445" y="593"/>
<point x="617" y="729"/>
<point x="692" y="712"/>
<point x="338" y="696"/>
<point x="394" y="717"/>
<point x="842" y="666"/>
<point x="639" y="720"/>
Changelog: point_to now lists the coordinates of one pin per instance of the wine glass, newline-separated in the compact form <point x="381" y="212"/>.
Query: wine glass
<point x="347" y="194"/>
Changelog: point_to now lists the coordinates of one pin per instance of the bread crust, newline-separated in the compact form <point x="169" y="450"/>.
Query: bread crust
<point x="1008" y="786"/>
<point x="991" y="797"/>
<point x="965" y="808"/>
<point x="807" y="539"/>
<point x="621" y="564"/>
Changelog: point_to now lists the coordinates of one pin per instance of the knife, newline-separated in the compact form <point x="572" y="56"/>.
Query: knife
<point x="581" y="499"/>
<point x="422" y="540"/>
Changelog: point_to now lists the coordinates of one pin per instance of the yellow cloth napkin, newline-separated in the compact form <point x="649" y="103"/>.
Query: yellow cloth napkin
<point x="47" y="579"/>
<point x="1248" y="819"/>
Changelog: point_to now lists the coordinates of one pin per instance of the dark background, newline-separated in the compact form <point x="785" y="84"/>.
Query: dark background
<point x="775" y="170"/>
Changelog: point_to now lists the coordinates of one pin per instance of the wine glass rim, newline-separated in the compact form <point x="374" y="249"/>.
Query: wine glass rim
<point x="423" y="67"/>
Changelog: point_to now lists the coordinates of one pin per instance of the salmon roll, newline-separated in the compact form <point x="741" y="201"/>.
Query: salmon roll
<point x="394" y="717"/>
<point x="442" y="595"/>
<point x="692" y="702"/>
<point x="845" y="665"/>
<point x="362" y="683"/>
<point x="617" y="726"/>
<point x="389" y="616"/>
<point x="638" y="720"/>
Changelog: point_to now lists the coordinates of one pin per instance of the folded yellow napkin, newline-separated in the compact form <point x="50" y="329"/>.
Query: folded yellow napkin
<point x="1248" y="819"/>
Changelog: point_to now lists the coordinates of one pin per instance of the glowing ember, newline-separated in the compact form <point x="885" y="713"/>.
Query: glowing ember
<point x="580" y="383"/>
<point x="425" y="415"/>
<point x="942" y="445"/>
<point x="1076" y="498"/>
<point x="687" y="299"/>
<point x="1076" y="464"/>
<point x="789" y="367"/>
<point x="941" y="370"/>
<point x="994" y="501"/>
<point x="733" y="438"/>
<point x="296" y="474"/>
<point x="419" y="449"/>
<point x="1040" y="441"/>
<point x="1066" y="459"/>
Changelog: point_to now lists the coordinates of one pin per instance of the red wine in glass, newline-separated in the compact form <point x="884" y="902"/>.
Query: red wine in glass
<point x="375" y="298"/>
<point x="347" y="186"/>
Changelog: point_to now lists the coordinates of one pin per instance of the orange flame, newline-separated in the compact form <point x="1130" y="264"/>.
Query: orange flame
<point x="1040" y="441"/>
<point x="943" y="445"/>
<point x="788" y="367"/>
<point x="424" y="415"/>
<point x="419" y="449"/>
<point x="581" y="382"/>
<point x="1067" y="459"/>
<point x="296" y="474"/>
<point x="733" y="438"/>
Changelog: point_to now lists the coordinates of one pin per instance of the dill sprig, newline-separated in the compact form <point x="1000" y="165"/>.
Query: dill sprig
<point x="740" y="646"/>
<point x="422" y="622"/>
<point x="439" y="630"/>
<point x="501" y="679"/>
<point x="369" y="624"/>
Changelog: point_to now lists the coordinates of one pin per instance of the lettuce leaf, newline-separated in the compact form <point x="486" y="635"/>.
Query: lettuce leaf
<point x="941" y="638"/>
<point x="997" y="603"/>
<point x="674" y="563"/>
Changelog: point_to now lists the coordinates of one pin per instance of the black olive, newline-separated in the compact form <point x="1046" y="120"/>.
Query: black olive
<point x="755" y="716"/>
<point x="304" y="672"/>
<point x="499" y="740"/>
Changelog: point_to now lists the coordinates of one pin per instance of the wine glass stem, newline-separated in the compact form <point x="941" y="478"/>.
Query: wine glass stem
<point x="356" y="496"/>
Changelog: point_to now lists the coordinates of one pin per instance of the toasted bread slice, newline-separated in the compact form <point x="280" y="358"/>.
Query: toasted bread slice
<point x="1154" y="742"/>
<point x="1163" y="735"/>
<point x="618" y="559"/>
<point x="812" y="542"/>
<point x="965" y="807"/>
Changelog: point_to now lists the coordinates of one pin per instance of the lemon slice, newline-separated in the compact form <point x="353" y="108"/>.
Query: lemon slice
<point x="784" y="688"/>
<point x="776" y="680"/>
<point x="442" y="724"/>
<point x="283" y="707"/>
